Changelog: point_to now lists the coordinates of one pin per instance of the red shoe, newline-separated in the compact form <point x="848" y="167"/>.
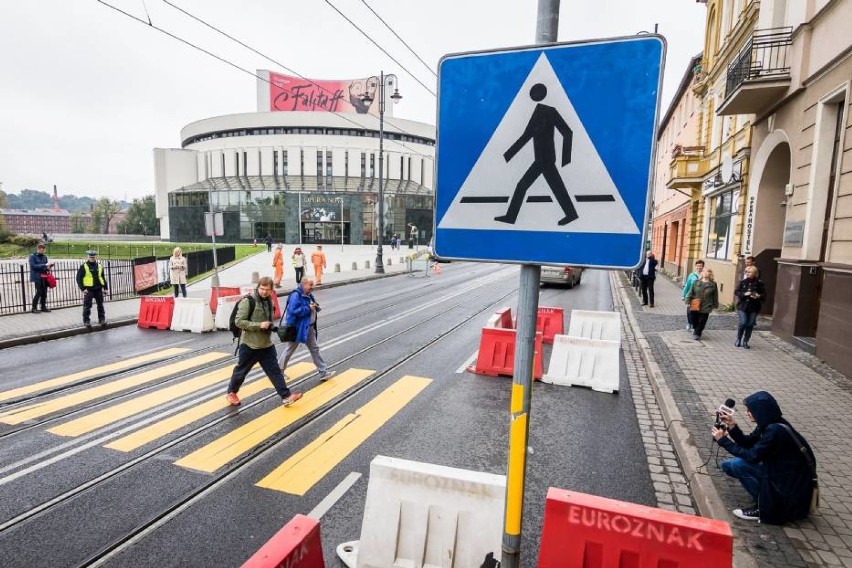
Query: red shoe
<point x="232" y="399"/>
<point x="291" y="399"/>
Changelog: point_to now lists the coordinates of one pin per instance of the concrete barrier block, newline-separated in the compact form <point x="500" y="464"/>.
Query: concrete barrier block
<point x="192" y="314"/>
<point x="420" y="514"/>
<point x="223" y="313"/>
<point x="577" y="361"/>
<point x="595" y="325"/>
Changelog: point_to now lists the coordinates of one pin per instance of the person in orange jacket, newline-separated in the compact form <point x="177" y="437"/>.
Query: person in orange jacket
<point x="278" y="264"/>
<point x="318" y="260"/>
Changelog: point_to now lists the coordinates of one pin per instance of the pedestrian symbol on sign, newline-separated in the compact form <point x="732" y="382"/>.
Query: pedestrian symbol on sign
<point x="540" y="130"/>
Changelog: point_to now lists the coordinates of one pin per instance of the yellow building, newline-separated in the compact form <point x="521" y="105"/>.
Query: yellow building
<point x="723" y="165"/>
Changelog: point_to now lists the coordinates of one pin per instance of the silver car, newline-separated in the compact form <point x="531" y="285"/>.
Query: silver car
<point x="566" y="275"/>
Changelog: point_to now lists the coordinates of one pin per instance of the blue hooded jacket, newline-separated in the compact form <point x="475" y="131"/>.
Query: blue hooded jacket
<point x="785" y="494"/>
<point x="299" y="312"/>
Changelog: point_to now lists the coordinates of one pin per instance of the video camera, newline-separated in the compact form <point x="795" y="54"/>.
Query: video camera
<point x="726" y="409"/>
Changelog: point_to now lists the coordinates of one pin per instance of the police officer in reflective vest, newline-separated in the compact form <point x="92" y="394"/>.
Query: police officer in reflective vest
<point x="93" y="284"/>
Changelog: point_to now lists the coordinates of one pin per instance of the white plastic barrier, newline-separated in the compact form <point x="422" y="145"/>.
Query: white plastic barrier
<point x="192" y="314"/>
<point x="577" y="361"/>
<point x="493" y="321"/>
<point x="595" y="325"/>
<point x="424" y="515"/>
<point x="224" y="307"/>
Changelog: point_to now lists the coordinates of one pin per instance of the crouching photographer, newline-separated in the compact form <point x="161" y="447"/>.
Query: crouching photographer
<point x="774" y="463"/>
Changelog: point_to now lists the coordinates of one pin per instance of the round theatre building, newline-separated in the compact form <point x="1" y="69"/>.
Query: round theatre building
<point x="301" y="176"/>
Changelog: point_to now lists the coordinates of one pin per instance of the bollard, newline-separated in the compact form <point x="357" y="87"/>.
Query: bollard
<point x="402" y="260"/>
<point x="388" y="262"/>
<point x="367" y="264"/>
<point x="255" y="277"/>
<point x="354" y="266"/>
<point x="337" y="267"/>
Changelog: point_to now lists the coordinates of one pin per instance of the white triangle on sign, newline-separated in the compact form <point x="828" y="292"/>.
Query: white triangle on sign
<point x="489" y="187"/>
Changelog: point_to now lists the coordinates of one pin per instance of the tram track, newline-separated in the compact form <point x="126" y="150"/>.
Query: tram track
<point x="402" y="298"/>
<point x="464" y="298"/>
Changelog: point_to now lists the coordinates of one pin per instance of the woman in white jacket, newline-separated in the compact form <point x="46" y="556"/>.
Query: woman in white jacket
<point x="177" y="267"/>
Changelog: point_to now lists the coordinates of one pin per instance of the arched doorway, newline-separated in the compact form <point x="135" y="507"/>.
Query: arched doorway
<point x="766" y="211"/>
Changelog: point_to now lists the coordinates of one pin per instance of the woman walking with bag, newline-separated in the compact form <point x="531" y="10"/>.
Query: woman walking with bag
<point x="299" y="262"/>
<point x="703" y="298"/>
<point x="177" y="271"/>
<point x="750" y="294"/>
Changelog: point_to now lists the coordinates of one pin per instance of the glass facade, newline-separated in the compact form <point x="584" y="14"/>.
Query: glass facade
<point x="295" y="217"/>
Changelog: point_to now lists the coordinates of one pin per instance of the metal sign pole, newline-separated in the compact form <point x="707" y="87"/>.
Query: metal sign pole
<point x="519" y="420"/>
<point x="214" y="282"/>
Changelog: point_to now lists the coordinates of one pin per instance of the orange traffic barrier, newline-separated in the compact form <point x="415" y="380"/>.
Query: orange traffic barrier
<point x="156" y="312"/>
<point x="218" y="292"/>
<point x="586" y="531"/>
<point x="505" y="321"/>
<point x="550" y="321"/>
<point x="497" y="353"/>
<point x="296" y="544"/>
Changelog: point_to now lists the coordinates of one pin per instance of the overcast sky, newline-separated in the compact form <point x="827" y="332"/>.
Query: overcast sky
<point x="86" y="93"/>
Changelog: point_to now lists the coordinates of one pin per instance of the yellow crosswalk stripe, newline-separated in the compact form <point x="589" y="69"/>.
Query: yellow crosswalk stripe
<point x="234" y="444"/>
<point x="101" y="418"/>
<point x="302" y="471"/>
<point x="89" y="373"/>
<point x="29" y="412"/>
<point x="174" y="423"/>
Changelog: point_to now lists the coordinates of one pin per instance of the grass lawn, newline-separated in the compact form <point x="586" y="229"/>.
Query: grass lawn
<point x="118" y="250"/>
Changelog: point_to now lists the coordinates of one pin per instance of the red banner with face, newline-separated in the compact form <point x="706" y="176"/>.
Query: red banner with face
<point x="287" y="93"/>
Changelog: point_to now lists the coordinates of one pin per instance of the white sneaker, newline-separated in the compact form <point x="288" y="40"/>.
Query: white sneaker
<point x="327" y="375"/>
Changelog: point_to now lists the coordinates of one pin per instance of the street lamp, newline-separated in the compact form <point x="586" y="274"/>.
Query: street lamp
<point x="366" y="98"/>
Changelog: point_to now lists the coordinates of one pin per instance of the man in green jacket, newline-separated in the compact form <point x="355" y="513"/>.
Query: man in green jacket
<point x="687" y="286"/>
<point x="256" y="345"/>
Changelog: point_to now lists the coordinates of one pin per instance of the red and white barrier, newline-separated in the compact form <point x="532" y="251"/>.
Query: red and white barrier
<point x="585" y="530"/>
<point x="297" y="544"/>
<point x="156" y="312"/>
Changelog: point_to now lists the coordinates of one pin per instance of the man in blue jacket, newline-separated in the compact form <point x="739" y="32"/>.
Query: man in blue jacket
<point x="39" y="267"/>
<point x="301" y="311"/>
<point x="774" y="463"/>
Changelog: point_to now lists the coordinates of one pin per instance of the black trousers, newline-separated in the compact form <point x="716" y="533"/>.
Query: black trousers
<point x="647" y="286"/>
<point x="179" y="288"/>
<point x="699" y="320"/>
<point x="40" y="297"/>
<point x="300" y="271"/>
<point x="96" y="294"/>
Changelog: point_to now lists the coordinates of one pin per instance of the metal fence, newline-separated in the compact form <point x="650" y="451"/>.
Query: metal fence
<point x="16" y="290"/>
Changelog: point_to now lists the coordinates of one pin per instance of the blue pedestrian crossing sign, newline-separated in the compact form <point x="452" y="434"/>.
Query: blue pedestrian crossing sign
<point x="545" y="154"/>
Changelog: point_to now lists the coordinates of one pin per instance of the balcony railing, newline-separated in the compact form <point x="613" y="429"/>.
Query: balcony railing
<point x="763" y="57"/>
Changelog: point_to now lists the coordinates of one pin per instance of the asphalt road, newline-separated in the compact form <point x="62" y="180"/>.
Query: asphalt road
<point x="67" y="500"/>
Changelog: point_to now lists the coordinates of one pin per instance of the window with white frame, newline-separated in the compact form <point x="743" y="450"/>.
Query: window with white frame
<point x="722" y="209"/>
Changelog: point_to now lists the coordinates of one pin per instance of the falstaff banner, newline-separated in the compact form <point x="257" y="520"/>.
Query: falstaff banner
<point x="287" y="93"/>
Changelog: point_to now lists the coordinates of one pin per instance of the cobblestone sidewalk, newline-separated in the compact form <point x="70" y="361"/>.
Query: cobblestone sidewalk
<point x="814" y="397"/>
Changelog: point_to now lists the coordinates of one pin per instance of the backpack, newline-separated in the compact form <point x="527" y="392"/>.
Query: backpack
<point x="232" y="322"/>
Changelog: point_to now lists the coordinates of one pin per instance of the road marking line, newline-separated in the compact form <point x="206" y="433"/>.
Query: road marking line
<point x="101" y="418"/>
<point x="177" y="421"/>
<point x="19" y="415"/>
<point x="467" y="363"/>
<point x="336" y="494"/>
<point x="89" y="373"/>
<point x="234" y="444"/>
<point x="313" y="462"/>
